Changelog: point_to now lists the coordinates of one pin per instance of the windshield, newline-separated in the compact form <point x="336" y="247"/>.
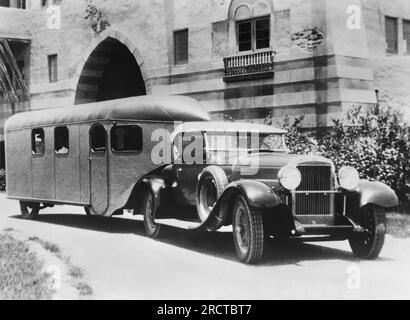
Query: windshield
<point x="248" y="142"/>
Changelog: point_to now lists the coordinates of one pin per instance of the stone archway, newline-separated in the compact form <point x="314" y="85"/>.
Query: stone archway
<point x="111" y="70"/>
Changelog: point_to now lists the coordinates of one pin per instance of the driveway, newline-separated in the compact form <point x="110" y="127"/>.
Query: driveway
<point x="120" y="262"/>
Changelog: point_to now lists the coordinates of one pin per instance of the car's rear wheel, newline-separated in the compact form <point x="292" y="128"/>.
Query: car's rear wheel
<point x="370" y="244"/>
<point x="248" y="232"/>
<point x="29" y="210"/>
<point x="150" y="209"/>
<point x="211" y="185"/>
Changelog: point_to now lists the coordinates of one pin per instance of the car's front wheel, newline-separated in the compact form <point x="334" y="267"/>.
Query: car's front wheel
<point x="149" y="211"/>
<point x="370" y="244"/>
<point x="29" y="211"/>
<point x="248" y="232"/>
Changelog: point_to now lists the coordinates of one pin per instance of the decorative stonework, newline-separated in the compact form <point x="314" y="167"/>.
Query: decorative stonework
<point x="96" y="18"/>
<point x="308" y="40"/>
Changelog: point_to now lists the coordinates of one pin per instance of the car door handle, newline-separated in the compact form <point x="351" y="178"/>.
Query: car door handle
<point x="179" y="171"/>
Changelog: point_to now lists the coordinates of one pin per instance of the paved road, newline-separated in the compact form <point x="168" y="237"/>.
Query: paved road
<point x="121" y="263"/>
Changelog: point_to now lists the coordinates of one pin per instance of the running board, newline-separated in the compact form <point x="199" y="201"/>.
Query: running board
<point x="318" y="238"/>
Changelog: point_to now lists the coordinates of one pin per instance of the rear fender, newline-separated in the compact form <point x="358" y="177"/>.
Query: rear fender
<point x="156" y="185"/>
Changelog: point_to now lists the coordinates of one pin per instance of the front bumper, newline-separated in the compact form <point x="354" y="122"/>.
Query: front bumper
<point x="342" y="229"/>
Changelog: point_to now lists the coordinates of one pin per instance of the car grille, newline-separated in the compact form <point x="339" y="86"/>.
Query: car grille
<point x="314" y="178"/>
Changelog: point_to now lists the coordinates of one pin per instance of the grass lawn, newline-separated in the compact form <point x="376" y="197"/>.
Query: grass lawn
<point x="21" y="277"/>
<point x="398" y="225"/>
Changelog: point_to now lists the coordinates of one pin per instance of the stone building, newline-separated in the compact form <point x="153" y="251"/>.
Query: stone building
<point x="243" y="59"/>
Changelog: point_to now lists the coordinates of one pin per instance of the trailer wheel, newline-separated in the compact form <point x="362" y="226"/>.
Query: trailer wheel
<point x="29" y="210"/>
<point x="211" y="185"/>
<point x="248" y="232"/>
<point x="369" y="245"/>
<point x="150" y="210"/>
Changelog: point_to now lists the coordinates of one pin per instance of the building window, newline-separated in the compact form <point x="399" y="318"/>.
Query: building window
<point x="392" y="35"/>
<point x="19" y="4"/>
<point x="61" y="140"/>
<point x="38" y="141"/>
<point x="253" y="34"/>
<point x="52" y="68"/>
<point x="244" y="35"/>
<point x="46" y="3"/>
<point x="126" y="138"/>
<point x="98" y="139"/>
<point x="181" y="47"/>
<point x="406" y="33"/>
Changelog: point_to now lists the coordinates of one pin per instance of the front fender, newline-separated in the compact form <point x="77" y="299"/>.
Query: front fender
<point x="257" y="194"/>
<point x="377" y="193"/>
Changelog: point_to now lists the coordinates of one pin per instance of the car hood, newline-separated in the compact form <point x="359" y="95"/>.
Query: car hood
<point x="276" y="161"/>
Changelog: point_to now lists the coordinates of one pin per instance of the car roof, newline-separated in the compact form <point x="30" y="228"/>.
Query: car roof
<point x="143" y="108"/>
<point x="216" y="126"/>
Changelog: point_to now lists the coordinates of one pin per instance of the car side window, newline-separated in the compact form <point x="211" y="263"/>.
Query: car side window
<point x="38" y="141"/>
<point x="61" y="140"/>
<point x="188" y="148"/>
<point x="126" y="138"/>
<point x="98" y="139"/>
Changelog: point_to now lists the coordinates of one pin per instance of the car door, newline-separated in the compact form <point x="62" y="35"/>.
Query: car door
<point x="188" y="164"/>
<point x="98" y="168"/>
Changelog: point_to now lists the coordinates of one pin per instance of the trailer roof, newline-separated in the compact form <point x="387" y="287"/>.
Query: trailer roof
<point x="143" y="108"/>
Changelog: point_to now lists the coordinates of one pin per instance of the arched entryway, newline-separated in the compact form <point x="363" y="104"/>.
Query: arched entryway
<point x="110" y="72"/>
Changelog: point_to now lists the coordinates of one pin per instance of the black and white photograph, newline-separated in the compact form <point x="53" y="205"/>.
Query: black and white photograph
<point x="191" y="152"/>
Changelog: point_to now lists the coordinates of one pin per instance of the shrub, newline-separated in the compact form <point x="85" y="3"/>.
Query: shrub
<point x="298" y="140"/>
<point x="375" y="142"/>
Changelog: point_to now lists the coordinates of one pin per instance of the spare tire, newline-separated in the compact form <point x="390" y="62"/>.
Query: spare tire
<point x="212" y="183"/>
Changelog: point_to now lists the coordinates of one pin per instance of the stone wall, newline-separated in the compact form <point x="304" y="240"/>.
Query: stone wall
<point x="391" y="71"/>
<point x="320" y="83"/>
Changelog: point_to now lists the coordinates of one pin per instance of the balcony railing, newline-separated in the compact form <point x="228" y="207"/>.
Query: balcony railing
<point x="249" y="66"/>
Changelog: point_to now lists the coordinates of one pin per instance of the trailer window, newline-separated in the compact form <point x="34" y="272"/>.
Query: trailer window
<point x="126" y="138"/>
<point x="61" y="140"/>
<point x="37" y="141"/>
<point x="98" y="139"/>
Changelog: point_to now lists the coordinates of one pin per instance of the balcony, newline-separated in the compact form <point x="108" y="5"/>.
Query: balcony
<point x="256" y="65"/>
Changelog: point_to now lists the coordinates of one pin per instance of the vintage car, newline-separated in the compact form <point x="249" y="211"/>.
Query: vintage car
<point x="117" y="155"/>
<point x="263" y="191"/>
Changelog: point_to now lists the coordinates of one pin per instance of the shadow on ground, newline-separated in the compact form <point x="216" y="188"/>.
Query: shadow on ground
<point x="217" y="244"/>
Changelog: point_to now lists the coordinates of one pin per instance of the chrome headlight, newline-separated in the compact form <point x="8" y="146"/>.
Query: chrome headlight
<point x="290" y="178"/>
<point x="349" y="178"/>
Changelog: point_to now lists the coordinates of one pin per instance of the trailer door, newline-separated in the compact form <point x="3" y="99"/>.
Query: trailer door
<point x="98" y="168"/>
